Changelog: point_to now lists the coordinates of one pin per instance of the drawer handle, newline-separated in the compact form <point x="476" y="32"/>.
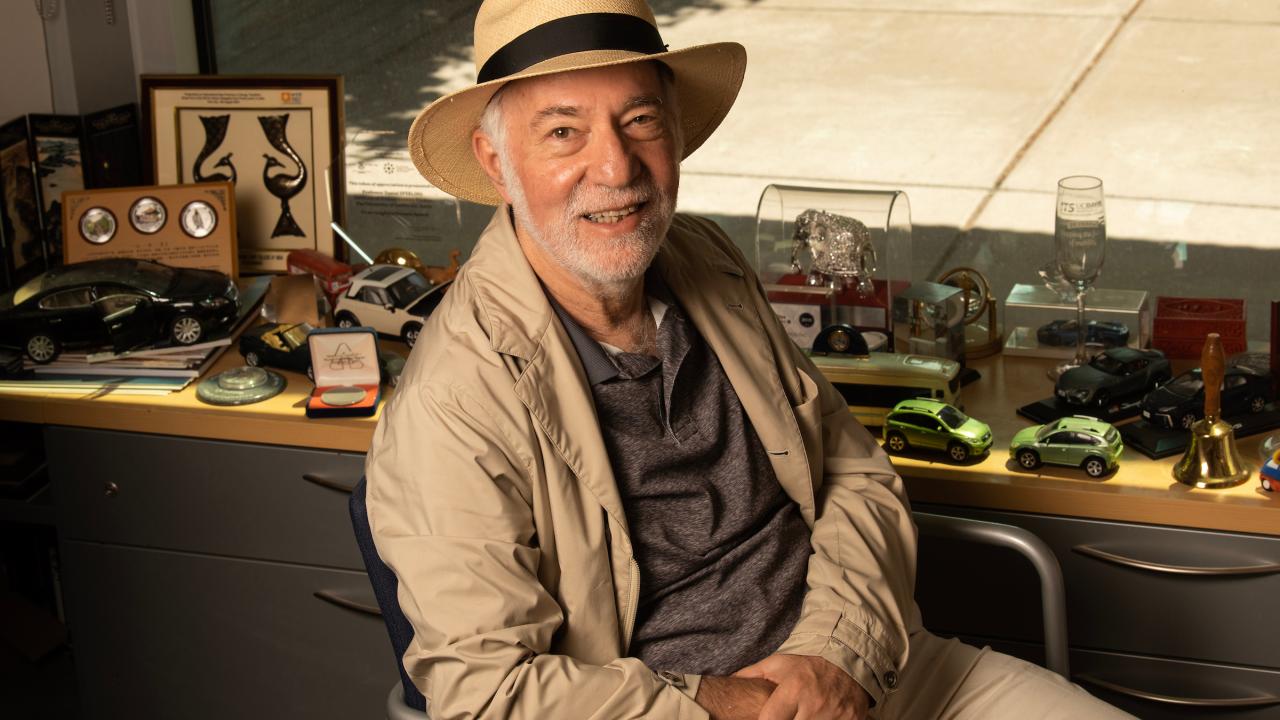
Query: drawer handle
<point x="323" y="481"/>
<point x="335" y="599"/>
<point x="1267" y="569"/>
<point x="1255" y="701"/>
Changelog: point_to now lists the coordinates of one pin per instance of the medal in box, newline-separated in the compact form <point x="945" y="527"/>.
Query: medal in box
<point x="345" y="364"/>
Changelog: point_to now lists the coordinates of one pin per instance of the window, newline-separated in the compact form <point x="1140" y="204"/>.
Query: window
<point x="1062" y="438"/>
<point x="112" y="304"/>
<point x="373" y="296"/>
<point x="77" y="297"/>
<point x="917" y="419"/>
<point x="885" y="396"/>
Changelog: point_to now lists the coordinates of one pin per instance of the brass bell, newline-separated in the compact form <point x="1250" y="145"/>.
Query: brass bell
<point x="1212" y="460"/>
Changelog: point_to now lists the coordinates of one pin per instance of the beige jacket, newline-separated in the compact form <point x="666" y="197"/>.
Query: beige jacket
<point x="492" y="498"/>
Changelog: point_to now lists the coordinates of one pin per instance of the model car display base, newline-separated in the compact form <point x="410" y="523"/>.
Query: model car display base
<point x="240" y="386"/>
<point x="1157" y="442"/>
<point x="1051" y="408"/>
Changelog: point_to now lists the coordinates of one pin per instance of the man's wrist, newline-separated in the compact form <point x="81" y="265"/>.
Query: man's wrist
<point x="728" y="698"/>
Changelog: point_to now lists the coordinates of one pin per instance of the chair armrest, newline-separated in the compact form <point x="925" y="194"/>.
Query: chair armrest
<point x="1052" y="588"/>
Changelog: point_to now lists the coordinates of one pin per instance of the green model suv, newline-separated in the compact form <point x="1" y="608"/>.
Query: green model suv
<point x="1078" y="441"/>
<point x="932" y="424"/>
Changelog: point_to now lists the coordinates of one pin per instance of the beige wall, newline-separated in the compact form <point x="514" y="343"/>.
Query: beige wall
<point x="24" y="85"/>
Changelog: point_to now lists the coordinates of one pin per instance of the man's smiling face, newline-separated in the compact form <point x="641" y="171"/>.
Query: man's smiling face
<point x="589" y="161"/>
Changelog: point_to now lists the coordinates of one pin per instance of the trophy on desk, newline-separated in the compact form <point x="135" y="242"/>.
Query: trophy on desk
<point x="1212" y="460"/>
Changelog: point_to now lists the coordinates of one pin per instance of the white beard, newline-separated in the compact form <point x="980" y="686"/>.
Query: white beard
<point x="599" y="263"/>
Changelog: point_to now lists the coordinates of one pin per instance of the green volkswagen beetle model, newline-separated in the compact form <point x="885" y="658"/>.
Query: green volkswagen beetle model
<point x="932" y="424"/>
<point x="1077" y="441"/>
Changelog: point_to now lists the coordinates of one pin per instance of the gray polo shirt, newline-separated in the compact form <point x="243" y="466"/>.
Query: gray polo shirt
<point x="722" y="550"/>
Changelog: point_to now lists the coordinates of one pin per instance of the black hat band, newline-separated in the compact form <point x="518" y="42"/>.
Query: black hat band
<point x="575" y="33"/>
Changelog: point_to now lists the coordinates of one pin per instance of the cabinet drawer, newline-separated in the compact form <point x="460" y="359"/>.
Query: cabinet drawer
<point x="1164" y="689"/>
<point x="205" y="496"/>
<point x="1130" y="588"/>
<point x="161" y="634"/>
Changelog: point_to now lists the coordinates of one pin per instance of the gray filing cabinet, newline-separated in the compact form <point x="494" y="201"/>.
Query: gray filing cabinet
<point x="208" y="579"/>
<point x="1163" y="622"/>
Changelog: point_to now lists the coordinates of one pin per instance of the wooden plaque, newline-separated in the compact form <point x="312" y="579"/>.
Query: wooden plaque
<point x="191" y="226"/>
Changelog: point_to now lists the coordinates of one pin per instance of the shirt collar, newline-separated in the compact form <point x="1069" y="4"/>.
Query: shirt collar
<point x="595" y="361"/>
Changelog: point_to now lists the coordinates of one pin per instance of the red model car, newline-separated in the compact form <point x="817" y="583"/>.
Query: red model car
<point x="334" y="275"/>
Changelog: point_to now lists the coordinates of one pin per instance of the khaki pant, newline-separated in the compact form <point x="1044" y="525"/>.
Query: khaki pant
<point x="997" y="687"/>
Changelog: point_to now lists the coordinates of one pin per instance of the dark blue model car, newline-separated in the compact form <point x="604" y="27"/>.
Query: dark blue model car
<point x="1063" y="332"/>
<point x="1179" y="403"/>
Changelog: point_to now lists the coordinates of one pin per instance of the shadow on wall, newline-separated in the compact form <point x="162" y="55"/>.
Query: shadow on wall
<point x="395" y="56"/>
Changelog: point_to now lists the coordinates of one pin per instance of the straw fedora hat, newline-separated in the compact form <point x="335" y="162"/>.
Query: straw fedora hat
<point x="527" y="38"/>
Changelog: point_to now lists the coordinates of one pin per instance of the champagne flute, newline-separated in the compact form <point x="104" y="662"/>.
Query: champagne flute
<point x="1080" y="244"/>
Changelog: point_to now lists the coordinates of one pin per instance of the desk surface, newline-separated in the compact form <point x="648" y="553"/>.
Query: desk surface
<point x="1141" y="490"/>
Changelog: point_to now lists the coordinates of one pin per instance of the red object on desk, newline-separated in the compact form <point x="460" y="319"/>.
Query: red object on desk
<point x="1181" y="325"/>
<point x="849" y="297"/>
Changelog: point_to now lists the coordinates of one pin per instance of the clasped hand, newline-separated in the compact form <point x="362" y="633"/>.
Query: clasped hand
<point x="785" y="687"/>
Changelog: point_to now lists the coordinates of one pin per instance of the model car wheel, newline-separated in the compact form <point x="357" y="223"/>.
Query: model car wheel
<point x="1257" y="404"/>
<point x="251" y="358"/>
<point x="896" y="442"/>
<point x="1095" y="467"/>
<point x="346" y="320"/>
<point x="958" y="452"/>
<point x="410" y="333"/>
<point x="1187" y="420"/>
<point x="42" y="348"/>
<point x="1028" y="459"/>
<point x="186" y="330"/>
<point x="1268" y="485"/>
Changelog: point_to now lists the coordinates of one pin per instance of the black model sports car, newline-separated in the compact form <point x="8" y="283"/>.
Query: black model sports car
<point x="1111" y="375"/>
<point x="280" y="345"/>
<point x="118" y="302"/>
<point x="1180" y="402"/>
<point x="1064" y="332"/>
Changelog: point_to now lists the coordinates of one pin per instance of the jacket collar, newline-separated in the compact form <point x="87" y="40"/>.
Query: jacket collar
<point x="553" y="385"/>
<point x="509" y="292"/>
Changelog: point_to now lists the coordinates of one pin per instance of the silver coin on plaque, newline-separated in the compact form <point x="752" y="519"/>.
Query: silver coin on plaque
<point x="198" y="219"/>
<point x="147" y="215"/>
<point x="98" y="225"/>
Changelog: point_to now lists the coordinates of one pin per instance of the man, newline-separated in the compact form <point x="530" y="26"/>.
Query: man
<point x="608" y="483"/>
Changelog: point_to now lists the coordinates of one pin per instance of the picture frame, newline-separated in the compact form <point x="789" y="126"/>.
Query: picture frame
<point x="277" y="138"/>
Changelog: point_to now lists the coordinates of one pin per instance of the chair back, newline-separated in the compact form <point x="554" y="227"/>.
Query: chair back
<point x="384" y="589"/>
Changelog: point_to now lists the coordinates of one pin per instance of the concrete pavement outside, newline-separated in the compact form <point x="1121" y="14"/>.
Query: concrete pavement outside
<point x="974" y="107"/>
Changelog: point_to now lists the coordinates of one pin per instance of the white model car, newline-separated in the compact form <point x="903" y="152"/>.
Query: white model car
<point x="391" y="299"/>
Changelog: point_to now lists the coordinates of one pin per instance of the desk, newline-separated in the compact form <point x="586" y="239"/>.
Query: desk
<point x="1141" y="490"/>
<point x="214" y="529"/>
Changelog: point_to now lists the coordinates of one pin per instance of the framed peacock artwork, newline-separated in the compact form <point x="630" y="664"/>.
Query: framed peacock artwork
<point x="277" y="139"/>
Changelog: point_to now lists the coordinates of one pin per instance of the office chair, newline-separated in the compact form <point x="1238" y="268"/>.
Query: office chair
<point x="406" y="703"/>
